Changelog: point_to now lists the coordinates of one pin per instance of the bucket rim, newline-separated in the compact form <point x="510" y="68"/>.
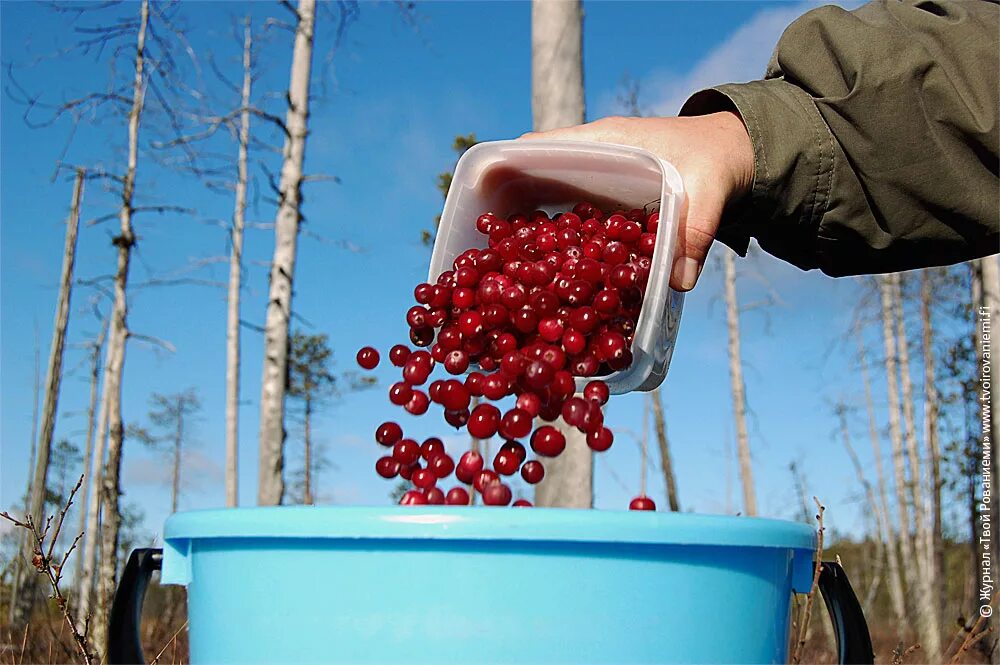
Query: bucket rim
<point x="488" y="524"/>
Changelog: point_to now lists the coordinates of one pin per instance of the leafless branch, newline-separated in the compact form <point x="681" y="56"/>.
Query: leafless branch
<point x="153" y="341"/>
<point x="807" y="610"/>
<point x="46" y="563"/>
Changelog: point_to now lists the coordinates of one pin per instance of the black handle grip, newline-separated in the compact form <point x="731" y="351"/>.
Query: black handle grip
<point x="854" y="644"/>
<point x="124" y="638"/>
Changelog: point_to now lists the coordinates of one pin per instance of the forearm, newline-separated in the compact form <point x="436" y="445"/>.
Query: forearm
<point x="875" y="139"/>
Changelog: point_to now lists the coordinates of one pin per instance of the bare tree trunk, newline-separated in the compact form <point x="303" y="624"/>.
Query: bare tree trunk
<point x="89" y="553"/>
<point x="235" y="282"/>
<point x="111" y="482"/>
<point x="307" y="497"/>
<point x="986" y="300"/>
<point x="557" y="101"/>
<point x="53" y="379"/>
<point x="738" y="387"/>
<point x="659" y="422"/>
<point x="931" y="410"/>
<point x="896" y="594"/>
<point x="270" y="485"/>
<point x="20" y="601"/>
<point x="88" y="455"/>
<point x="928" y="619"/>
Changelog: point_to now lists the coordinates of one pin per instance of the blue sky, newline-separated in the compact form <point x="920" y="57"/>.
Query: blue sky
<point x="396" y="97"/>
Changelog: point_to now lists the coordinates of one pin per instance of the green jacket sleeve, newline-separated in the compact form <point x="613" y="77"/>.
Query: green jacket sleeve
<point x="875" y="138"/>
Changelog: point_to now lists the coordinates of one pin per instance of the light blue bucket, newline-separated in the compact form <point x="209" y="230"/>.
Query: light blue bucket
<point x="481" y="585"/>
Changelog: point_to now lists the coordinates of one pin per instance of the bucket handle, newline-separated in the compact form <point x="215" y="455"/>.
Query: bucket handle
<point x="854" y="644"/>
<point x="124" y="639"/>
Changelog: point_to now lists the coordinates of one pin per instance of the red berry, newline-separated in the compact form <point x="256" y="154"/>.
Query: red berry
<point x="574" y="341"/>
<point x="400" y="393"/>
<point x="454" y="396"/>
<point x="406" y="451"/>
<point x="424" y="479"/>
<point x="551" y="329"/>
<point x="442" y="465"/>
<point x="388" y="433"/>
<point x="431" y="448"/>
<point x="600" y="439"/>
<point x="463" y="298"/>
<point x="611" y="345"/>
<point x="485" y="478"/>
<point x="563" y="384"/>
<point x="495" y="386"/>
<point x="516" y="448"/>
<point x="653" y="222"/>
<point x="415" y="372"/>
<point x="496" y="494"/>
<point x="538" y="374"/>
<point x="457" y="496"/>
<point x="470" y="463"/>
<point x="576" y="411"/>
<point x="456" y="362"/>
<point x="484" y="421"/>
<point x="642" y="503"/>
<point x="456" y="419"/>
<point x="548" y="441"/>
<point x="418" y="403"/>
<point x="368" y="358"/>
<point x="435" y="496"/>
<point x="506" y="463"/>
<point x="532" y="472"/>
<point x="387" y="467"/>
<point x="413" y="498"/>
<point x="522" y="503"/>
<point x="416" y="317"/>
<point x="515" y="424"/>
<point x="398" y="355"/>
<point x="423" y="293"/>
<point x="597" y="391"/>
<point x="529" y="403"/>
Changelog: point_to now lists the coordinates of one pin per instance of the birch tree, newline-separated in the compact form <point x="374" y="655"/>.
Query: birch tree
<point x="557" y="101"/>
<point x="235" y="279"/>
<point x="89" y="485"/>
<point x="986" y="301"/>
<point x="53" y="374"/>
<point x="737" y="386"/>
<point x="888" y="533"/>
<point x="922" y="576"/>
<point x="270" y="484"/>
<point x="110" y="422"/>
<point x="930" y="428"/>
<point x="666" y="462"/>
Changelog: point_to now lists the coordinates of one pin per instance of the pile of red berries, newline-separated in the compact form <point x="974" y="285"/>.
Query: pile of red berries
<point x="549" y="299"/>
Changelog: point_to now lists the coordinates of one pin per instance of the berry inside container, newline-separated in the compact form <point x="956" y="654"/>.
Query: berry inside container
<point x="505" y="177"/>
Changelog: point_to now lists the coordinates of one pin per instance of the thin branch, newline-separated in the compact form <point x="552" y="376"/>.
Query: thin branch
<point x="807" y="610"/>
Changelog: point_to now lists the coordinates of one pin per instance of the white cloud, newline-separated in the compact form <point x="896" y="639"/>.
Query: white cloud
<point x="743" y="56"/>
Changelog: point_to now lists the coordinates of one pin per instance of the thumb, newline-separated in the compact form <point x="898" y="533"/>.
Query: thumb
<point x="699" y="222"/>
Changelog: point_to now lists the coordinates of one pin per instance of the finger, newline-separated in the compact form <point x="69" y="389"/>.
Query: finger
<point x="698" y="225"/>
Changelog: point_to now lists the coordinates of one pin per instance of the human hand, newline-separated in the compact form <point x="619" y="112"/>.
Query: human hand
<point x="714" y="157"/>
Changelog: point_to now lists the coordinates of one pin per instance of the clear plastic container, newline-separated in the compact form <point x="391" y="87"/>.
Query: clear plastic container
<point x="505" y="177"/>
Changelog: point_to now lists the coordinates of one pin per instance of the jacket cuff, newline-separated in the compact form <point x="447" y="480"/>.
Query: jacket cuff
<point x="793" y="158"/>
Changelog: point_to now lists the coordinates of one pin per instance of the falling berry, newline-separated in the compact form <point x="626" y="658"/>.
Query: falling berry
<point x="642" y="503"/>
<point x="368" y="358"/>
